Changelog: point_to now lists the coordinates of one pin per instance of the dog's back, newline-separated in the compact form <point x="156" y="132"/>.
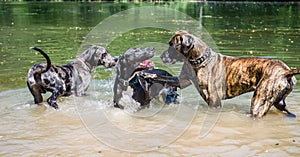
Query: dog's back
<point x="56" y="78"/>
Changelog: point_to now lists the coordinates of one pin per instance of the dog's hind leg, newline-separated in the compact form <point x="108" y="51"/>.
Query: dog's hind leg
<point x="52" y="99"/>
<point x="269" y="93"/>
<point x="281" y="105"/>
<point x="260" y="104"/>
<point x="35" y="90"/>
<point x="265" y="95"/>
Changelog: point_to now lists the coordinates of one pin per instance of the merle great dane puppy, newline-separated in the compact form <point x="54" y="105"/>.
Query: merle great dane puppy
<point x="218" y="77"/>
<point x="68" y="79"/>
<point x="128" y="74"/>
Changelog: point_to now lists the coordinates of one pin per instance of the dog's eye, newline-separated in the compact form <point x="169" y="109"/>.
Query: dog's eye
<point x="104" y="55"/>
<point x="181" y="40"/>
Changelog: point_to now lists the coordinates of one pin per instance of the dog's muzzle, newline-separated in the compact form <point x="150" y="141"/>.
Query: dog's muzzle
<point x="171" y="56"/>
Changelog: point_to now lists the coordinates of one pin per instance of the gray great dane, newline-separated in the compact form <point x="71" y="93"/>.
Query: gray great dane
<point x="132" y="71"/>
<point x="126" y="65"/>
<point x="218" y="77"/>
<point x="68" y="79"/>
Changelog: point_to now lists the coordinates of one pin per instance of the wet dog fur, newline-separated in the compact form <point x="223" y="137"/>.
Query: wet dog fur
<point x="68" y="79"/>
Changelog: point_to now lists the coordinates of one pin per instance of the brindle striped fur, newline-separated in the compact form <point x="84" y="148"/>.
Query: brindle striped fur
<point x="223" y="77"/>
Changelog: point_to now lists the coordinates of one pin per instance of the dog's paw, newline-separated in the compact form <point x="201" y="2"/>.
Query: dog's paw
<point x="54" y="105"/>
<point x="291" y="115"/>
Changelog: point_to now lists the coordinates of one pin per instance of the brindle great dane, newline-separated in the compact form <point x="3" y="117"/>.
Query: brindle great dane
<point x="218" y="77"/>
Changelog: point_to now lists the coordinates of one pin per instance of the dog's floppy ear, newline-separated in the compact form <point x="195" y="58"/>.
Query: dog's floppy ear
<point x="182" y="42"/>
<point x="187" y="43"/>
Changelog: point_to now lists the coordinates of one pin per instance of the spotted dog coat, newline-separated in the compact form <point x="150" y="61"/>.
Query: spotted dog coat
<point x="68" y="79"/>
<point x="218" y="77"/>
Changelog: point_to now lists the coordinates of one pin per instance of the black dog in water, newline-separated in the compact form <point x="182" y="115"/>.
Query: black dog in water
<point x="145" y="87"/>
<point x="129" y="73"/>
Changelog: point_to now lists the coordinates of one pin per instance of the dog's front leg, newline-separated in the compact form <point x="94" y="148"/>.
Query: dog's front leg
<point x="214" y="96"/>
<point x="183" y="83"/>
<point x="187" y="76"/>
<point x="214" y="102"/>
<point x="118" y="93"/>
<point x="184" y="80"/>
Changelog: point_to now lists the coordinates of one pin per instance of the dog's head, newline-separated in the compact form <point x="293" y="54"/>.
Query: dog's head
<point x="134" y="56"/>
<point x="183" y="45"/>
<point x="97" y="55"/>
<point x="131" y="59"/>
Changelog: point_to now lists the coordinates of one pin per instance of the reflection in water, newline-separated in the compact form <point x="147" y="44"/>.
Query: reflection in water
<point x="239" y="29"/>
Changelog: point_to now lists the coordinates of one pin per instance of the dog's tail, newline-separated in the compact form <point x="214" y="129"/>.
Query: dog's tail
<point x="291" y="73"/>
<point x="46" y="57"/>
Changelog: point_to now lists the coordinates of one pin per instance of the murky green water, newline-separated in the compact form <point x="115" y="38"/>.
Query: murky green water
<point x="238" y="29"/>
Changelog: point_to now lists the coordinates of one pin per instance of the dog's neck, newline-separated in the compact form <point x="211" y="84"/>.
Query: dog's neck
<point x="198" y="62"/>
<point x="131" y="69"/>
<point x="123" y="72"/>
<point x="86" y="65"/>
<point x="126" y="82"/>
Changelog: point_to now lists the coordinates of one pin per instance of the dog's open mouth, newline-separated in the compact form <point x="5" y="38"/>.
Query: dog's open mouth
<point x="150" y="51"/>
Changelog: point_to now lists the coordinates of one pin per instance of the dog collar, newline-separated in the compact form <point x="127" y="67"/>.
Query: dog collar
<point x="87" y="66"/>
<point x="128" y="82"/>
<point x="124" y="82"/>
<point x="201" y="59"/>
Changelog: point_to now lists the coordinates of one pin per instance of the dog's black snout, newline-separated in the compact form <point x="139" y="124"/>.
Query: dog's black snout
<point x="112" y="64"/>
<point x="151" y="48"/>
<point x="116" y="58"/>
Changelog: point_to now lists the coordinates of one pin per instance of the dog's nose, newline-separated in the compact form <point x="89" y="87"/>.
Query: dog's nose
<point x="116" y="58"/>
<point x="111" y="64"/>
<point x="151" y="48"/>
